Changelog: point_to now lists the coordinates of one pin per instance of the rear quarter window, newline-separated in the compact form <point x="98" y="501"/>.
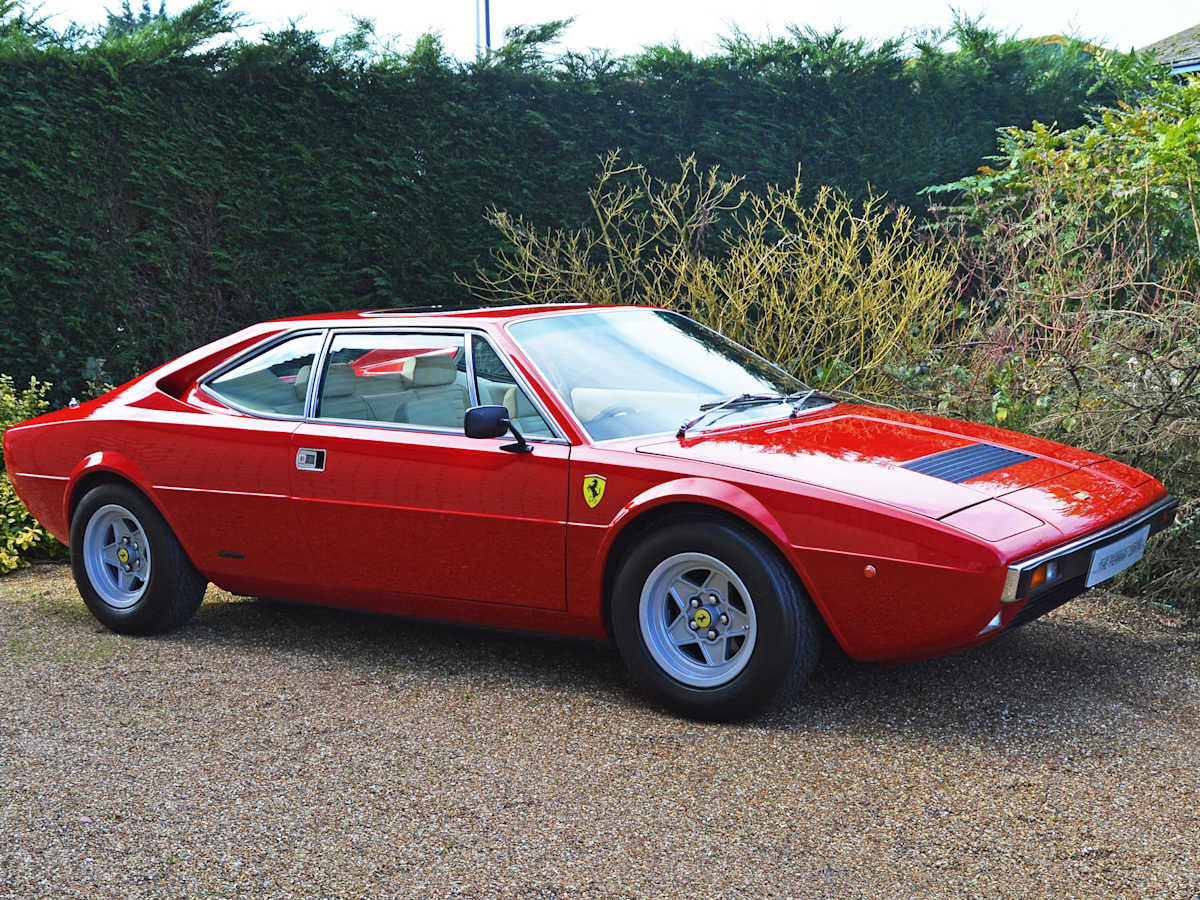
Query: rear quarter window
<point x="273" y="382"/>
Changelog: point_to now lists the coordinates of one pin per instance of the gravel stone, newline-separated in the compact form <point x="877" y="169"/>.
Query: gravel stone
<point x="274" y="750"/>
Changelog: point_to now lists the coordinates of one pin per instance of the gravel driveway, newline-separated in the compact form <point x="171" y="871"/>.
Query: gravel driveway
<point x="275" y="750"/>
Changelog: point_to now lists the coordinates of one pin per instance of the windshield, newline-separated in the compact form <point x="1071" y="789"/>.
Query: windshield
<point x="630" y="372"/>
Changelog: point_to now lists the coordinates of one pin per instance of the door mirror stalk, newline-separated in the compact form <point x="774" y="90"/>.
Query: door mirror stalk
<point x="520" y="445"/>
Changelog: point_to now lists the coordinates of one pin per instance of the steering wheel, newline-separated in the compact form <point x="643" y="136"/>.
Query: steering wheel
<point x="617" y="409"/>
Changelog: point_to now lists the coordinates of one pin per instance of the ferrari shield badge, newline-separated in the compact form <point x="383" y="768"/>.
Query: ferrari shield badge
<point x="593" y="489"/>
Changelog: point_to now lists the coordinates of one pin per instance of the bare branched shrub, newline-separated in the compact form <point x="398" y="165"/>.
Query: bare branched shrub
<point x="1091" y="339"/>
<point x="837" y="292"/>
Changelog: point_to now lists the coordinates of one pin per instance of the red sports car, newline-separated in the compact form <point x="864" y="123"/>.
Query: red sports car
<point x="596" y="471"/>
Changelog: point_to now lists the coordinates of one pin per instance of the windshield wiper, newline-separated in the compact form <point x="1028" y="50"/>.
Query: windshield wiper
<point x="707" y="409"/>
<point x="798" y="405"/>
<point x="797" y="401"/>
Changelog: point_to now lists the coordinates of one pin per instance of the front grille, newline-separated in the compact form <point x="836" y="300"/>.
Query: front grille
<point x="965" y="463"/>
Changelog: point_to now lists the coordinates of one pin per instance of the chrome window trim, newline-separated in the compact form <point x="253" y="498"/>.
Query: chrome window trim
<point x="389" y="426"/>
<point x="465" y="334"/>
<point x="472" y="388"/>
<point x="1131" y="522"/>
<point x="560" y="437"/>
<point x="328" y="332"/>
<point x="445" y="309"/>
<point x="315" y="388"/>
<point x="570" y="411"/>
<point x="316" y="375"/>
<point x="248" y="354"/>
<point x="420" y="429"/>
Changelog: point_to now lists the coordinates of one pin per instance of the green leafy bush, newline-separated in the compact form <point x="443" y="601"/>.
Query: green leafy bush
<point x="20" y="535"/>
<point x="1131" y="174"/>
<point x="1083" y="247"/>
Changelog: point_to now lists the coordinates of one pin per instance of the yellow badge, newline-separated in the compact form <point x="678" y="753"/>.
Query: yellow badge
<point x="593" y="489"/>
<point x="1082" y="495"/>
<point x="702" y="618"/>
<point x="123" y="555"/>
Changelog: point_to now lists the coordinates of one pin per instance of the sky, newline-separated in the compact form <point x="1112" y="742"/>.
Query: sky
<point x="626" y="26"/>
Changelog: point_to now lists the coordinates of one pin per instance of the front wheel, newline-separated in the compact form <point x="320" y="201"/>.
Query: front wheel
<point x="710" y="621"/>
<point x="129" y="567"/>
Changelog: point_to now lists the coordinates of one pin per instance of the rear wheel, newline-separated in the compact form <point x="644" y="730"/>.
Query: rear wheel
<point x="710" y="621"/>
<point x="128" y="564"/>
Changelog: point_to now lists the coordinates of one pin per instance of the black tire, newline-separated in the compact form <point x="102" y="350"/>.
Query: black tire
<point x="174" y="590"/>
<point x="788" y="640"/>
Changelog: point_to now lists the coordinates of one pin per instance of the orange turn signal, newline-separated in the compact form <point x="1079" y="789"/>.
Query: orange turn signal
<point x="1047" y="571"/>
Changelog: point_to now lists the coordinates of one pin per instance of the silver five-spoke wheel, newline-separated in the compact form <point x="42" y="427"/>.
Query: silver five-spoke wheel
<point x="697" y="620"/>
<point x="116" y="554"/>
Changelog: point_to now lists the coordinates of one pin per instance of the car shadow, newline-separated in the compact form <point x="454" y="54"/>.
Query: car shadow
<point x="1053" y="676"/>
<point x="392" y="645"/>
<point x="1051" y="679"/>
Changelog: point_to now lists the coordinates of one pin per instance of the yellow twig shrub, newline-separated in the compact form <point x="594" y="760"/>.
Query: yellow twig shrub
<point x="837" y="292"/>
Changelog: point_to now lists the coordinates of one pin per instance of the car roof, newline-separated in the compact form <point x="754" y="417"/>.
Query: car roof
<point x="447" y="314"/>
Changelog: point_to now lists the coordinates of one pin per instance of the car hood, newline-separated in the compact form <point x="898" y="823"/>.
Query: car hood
<point x="924" y="464"/>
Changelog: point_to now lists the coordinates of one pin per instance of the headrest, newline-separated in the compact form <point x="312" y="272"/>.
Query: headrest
<point x="434" y="370"/>
<point x="518" y="404"/>
<point x="300" y="385"/>
<point x="340" y="381"/>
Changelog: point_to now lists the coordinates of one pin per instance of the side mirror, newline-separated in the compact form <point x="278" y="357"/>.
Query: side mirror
<point x="486" y="422"/>
<point x="493" y="422"/>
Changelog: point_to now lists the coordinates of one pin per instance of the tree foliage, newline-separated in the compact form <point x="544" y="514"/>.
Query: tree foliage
<point x="126" y="21"/>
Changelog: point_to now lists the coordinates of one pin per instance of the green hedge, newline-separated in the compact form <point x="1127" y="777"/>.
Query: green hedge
<point x="153" y="197"/>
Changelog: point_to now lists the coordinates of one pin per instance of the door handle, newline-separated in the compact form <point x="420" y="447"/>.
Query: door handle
<point x="309" y="460"/>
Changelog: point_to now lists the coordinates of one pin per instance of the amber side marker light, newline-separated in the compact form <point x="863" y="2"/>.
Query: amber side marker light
<point x="1043" y="574"/>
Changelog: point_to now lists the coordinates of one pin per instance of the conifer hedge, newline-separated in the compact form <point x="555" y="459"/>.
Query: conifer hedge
<point x="155" y="194"/>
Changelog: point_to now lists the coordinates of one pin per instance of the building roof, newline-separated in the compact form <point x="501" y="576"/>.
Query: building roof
<point x="1061" y="41"/>
<point x="1179" y="51"/>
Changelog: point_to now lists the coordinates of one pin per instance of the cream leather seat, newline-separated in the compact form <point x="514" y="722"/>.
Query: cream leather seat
<point x="435" y="399"/>
<point x="260" y="390"/>
<point x="300" y="385"/>
<point x="339" y="395"/>
<point x="522" y="412"/>
<point x="383" y="394"/>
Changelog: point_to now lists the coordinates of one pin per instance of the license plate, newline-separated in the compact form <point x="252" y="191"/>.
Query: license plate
<point x="1117" y="556"/>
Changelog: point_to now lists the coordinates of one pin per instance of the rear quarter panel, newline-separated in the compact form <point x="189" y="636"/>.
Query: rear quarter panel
<point x="36" y="455"/>
<point x="179" y="456"/>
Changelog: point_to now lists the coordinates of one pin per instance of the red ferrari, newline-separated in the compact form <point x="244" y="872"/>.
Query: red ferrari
<point x="595" y="471"/>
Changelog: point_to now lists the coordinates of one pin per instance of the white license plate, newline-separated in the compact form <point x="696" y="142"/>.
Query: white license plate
<point x="1118" y="556"/>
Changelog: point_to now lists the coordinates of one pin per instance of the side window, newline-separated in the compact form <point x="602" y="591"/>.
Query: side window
<point x="275" y="381"/>
<point x="496" y="386"/>
<point x="408" y="379"/>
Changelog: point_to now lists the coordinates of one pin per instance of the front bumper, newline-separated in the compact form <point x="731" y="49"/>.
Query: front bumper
<point x="1073" y="560"/>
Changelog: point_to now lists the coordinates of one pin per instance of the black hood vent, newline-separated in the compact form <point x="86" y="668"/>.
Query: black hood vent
<point x="965" y="463"/>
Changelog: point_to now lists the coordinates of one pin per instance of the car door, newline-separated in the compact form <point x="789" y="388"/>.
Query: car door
<point x="397" y="502"/>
